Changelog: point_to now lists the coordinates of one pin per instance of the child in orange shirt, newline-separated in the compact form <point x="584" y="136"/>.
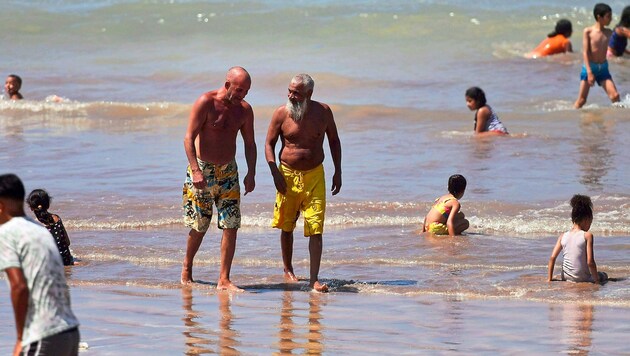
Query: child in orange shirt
<point x="556" y="42"/>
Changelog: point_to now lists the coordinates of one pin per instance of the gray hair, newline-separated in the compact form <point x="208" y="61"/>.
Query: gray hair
<point x="305" y="80"/>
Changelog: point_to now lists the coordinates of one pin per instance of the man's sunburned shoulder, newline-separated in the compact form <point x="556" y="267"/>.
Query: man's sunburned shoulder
<point x="245" y="105"/>
<point x="281" y="112"/>
<point x="321" y="105"/>
<point x="207" y="99"/>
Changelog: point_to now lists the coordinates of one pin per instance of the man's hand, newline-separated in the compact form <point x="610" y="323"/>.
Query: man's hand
<point x="336" y="183"/>
<point x="249" y="183"/>
<point x="199" y="181"/>
<point x="281" y="185"/>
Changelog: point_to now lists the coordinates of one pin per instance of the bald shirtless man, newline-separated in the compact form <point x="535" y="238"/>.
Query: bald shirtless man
<point x="301" y="125"/>
<point x="212" y="175"/>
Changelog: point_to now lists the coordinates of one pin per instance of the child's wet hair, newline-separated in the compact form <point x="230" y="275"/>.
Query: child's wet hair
<point x="600" y="10"/>
<point x="17" y="78"/>
<point x="11" y="187"/>
<point x="624" y="21"/>
<point x="563" y="27"/>
<point x="477" y="94"/>
<point x="582" y="208"/>
<point x="38" y="200"/>
<point x="456" y="184"/>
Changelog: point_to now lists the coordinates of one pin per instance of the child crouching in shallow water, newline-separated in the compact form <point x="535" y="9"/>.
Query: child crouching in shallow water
<point x="578" y="263"/>
<point x="39" y="202"/>
<point x="444" y="218"/>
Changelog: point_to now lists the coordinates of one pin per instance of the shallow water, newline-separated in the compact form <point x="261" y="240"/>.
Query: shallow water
<point x="111" y="156"/>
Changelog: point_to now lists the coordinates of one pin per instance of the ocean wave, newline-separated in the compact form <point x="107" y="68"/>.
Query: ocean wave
<point x="100" y="109"/>
<point x="610" y="218"/>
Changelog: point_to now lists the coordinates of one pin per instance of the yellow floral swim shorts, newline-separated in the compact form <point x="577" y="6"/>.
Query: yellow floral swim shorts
<point x="306" y="192"/>
<point x="222" y="189"/>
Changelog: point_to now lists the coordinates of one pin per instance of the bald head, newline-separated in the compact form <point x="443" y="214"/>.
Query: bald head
<point x="239" y="74"/>
<point x="237" y="84"/>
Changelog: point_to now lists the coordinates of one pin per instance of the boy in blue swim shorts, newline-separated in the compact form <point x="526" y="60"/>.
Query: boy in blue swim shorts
<point x="595" y="68"/>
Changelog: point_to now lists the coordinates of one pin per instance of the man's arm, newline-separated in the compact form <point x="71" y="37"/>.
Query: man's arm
<point x="274" y="131"/>
<point x="195" y="123"/>
<point x="335" y="149"/>
<point x="247" y="131"/>
<point x="19" y="298"/>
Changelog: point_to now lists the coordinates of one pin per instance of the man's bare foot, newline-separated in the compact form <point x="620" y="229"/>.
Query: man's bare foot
<point x="289" y="276"/>
<point x="186" y="276"/>
<point x="319" y="287"/>
<point x="228" y="287"/>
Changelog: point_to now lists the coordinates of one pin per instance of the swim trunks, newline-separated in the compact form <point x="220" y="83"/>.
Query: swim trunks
<point x="222" y="189"/>
<point x="306" y="192"/>
<point x="600" y="71"/>
<point x="437" y="228"/>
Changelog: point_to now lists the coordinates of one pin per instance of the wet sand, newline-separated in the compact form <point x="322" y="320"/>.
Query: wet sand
<point x="198" y="320"/>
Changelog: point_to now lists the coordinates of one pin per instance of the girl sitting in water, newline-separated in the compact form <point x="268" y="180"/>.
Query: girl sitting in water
<point x="556" y="42"/>
<point x="39" y="202"/>
<point x="486" y="121"/>
<point x="444" y="218"/>
<point x="578" y="263"/>
<point x="619" y="38"/>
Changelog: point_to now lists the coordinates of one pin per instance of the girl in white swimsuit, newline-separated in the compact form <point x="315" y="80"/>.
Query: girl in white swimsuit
<point x="578" y="263"/>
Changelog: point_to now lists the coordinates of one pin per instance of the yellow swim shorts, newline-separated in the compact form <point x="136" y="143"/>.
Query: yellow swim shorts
<point x="306" y="192"/>
<point x="437" y="228"/>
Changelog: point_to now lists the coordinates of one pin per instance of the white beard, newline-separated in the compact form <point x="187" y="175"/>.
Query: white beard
<point x="297" y="109"/>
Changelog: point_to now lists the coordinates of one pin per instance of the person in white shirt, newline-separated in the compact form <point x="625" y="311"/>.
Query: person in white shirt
<point x="44" y="321"/>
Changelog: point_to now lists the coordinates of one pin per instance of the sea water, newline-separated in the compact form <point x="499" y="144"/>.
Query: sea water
<point x="109" y="87"/>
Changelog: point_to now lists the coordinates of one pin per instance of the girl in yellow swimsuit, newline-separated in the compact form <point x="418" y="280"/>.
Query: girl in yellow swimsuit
<point x="444" y="218"/>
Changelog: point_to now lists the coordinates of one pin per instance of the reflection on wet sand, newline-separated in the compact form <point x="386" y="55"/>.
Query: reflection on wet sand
<point x="287" y="329"/>
<point x="228" y="337"/>
<point x="576" y="323"/>
<point x="196" y="335"/>
<point x="453" y="322"/>
<point x="596" y="157"/>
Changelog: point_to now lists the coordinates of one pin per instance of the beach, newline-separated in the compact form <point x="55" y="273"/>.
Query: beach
<point x="110" y="153"/>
